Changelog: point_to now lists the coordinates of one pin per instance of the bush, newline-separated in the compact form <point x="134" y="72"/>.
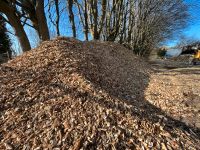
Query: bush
<point x="161" y="53"/>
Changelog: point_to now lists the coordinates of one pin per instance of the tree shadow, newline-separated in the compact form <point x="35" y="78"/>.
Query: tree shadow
<point x="148" y="111"/>
<point x="141" y="108"/>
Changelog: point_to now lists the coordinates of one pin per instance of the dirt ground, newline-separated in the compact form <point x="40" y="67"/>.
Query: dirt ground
<point x="176" y="90"/>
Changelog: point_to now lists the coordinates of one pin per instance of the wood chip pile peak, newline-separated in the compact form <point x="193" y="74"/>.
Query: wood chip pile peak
<point x="68" y="94"/>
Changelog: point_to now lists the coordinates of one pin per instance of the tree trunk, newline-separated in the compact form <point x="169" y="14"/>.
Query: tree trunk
<point x="57" y="18"/>
<point x="42" y="22"/>
<point x="15" y="22"/>
<point x="71" y="17"/>
<point x="86" y="20"/>
<point x="103" y="15"/>
<point x="19" y="30"/>
<point x="96" y="35"/>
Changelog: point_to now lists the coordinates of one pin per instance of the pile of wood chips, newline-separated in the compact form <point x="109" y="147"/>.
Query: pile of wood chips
<point x="68" y="94"/>
<point x="179" y="61"/>
<point x="176" y="91"/>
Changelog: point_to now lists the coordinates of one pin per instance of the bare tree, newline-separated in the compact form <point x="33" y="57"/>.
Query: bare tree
<point x="139" y="24"/>
<point x="9" y="9"/>
<point x="57" y="17"/>
<point x="33" y="10"/>
<point x="83" y="16"/>
<point x="71" y="16"/>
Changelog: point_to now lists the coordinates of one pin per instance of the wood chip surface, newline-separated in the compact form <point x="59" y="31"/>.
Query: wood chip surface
<point x="68" y="94"/>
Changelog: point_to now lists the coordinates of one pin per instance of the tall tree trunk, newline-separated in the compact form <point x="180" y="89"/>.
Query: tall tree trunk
<point x="86" y="19"/>
<point x="103" y="15"/>
<point x="71" y="16"/>
<point x="83" y="16"/>
<point x="131" y="19"/>
<point x="19" y="31"/>
<point x="57" y="18"/>
<point x="94" y="5"/>
<point x="15" y="22"/>
<point x="123" y="31"/>
<point x="42" y="22"/>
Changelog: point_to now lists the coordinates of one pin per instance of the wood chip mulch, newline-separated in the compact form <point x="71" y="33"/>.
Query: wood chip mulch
<point x="68" y="94"/>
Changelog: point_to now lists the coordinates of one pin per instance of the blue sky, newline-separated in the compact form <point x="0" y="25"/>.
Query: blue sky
<point x="192" y="31"/>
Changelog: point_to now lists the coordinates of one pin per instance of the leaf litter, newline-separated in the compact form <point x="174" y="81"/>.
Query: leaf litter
<point x="68" y="94"/>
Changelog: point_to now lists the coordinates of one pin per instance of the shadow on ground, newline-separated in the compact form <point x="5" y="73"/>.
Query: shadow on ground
<point x="43" y="78"/>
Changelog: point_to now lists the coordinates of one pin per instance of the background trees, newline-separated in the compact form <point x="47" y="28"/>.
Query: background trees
<point x="5" y="43"/>
<point x="139" y="24"/>
<point x="13" y="17"/>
